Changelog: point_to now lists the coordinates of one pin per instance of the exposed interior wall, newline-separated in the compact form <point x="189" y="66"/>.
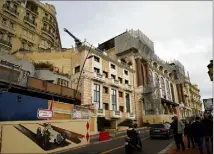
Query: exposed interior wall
<point x="20" y="136"/>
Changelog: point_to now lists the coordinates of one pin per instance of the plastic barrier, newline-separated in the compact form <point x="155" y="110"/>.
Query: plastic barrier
<point x="103" y="136"/>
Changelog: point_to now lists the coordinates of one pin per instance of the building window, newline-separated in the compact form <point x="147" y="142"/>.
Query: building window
<point x="126" y="72"/>
<point x="1" y="36"/>
<point x="128" y="108"/>
<point x="113" y="66"/>
<point x="168" y="90"/>
<point x="97" y="70"/>
<point x="105" y="74"/>
<point x="121" y="109"/>
<point x="23" y="45"/>
<point x="120" y="80"/>
<point x="97" y="94"/>
<point x="106" y="106"/>
<point x="97" y="59"/>
<point x="9" y="39"/>
<point x="126" y="82"/>
<point x="163" y="87"/>
<point x="114" y="99"/>
<point x="15" y="7"/>
<point x="77" y="69"/>
<point x="105" y="90"/>
<point x="4" y="21"/>
<point x="11" y="25"/>
<point x="113" y="76"/>
<point x="120" y="94"/>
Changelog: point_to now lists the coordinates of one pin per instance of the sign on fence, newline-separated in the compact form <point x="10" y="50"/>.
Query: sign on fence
<point x="44" y="114"/>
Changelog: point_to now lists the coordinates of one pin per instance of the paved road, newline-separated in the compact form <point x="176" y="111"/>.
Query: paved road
<point x="115" y="146"/>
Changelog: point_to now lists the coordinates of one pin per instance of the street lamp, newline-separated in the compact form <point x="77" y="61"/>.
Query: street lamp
<point x="210" y="72"/>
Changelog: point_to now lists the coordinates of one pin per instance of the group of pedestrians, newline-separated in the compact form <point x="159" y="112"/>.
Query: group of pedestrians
<point x="196" y="132"/>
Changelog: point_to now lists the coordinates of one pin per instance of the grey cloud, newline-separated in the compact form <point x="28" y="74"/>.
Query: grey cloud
<point x="181" y="30"/>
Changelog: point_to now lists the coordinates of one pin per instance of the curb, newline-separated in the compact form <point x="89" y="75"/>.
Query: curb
<point x="98" y="142"/>
<point x="167" y="148"/>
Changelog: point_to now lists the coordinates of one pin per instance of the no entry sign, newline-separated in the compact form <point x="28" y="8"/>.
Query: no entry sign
<point x="44" y="113"/>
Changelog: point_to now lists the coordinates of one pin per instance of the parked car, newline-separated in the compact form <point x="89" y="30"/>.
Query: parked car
<point x="161" y="130"/>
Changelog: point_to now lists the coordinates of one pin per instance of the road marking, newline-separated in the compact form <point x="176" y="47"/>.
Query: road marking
<point x="79" y="147"/>
<point x="107" y="151"/>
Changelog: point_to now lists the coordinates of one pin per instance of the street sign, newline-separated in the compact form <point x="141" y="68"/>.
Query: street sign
<point x="44" y="114"/>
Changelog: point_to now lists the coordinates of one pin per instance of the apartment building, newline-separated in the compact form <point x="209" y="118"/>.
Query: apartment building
<point x="106" y="84"/>
<point x="187" y="108"/>
<point x="28" y="24"/>
<point x="195" y="99"/>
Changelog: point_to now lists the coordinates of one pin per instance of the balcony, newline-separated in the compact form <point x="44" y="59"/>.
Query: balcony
<point x="28" y="39"/>
<point x="128" y="87"/>
<point x="45" y="19"/>
<point x="5" y="43"/>
<point x="130" y="116"/>
<point x="48" y="33"/>
<point x="36" y="13"/>
<point x="29" y="21"/>
<point x="7" y="28"/>
<point x="116" y="114"/>
<point x="44" y="86"/>
<point x="101" y="112"/>
<point x="11" y="10"/>
<point x="98" y="77"/>
<point x="114" y="82"/>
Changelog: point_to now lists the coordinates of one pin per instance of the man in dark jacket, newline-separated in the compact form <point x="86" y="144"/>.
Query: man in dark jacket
<point x="188" y="133"/>
<point x="208" y="131"/>
<point x="178" y="127"/>
<point x="198" y="133"/>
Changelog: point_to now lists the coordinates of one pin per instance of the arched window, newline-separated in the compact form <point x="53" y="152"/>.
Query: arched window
<point x="168" y="90"/>
<point x="163" y="87"/>
<point x="156" y="80"/>
<point x="150" y="76"/>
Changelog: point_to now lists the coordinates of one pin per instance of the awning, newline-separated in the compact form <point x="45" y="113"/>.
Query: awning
<point x="168" y="102"/>
<point x="39" y="94"/>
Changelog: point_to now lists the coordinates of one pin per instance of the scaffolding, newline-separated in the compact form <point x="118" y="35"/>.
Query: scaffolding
<point x="134" y="41"/>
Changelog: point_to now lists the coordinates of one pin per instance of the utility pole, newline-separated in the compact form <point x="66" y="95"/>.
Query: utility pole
<point x="78" y="44"/>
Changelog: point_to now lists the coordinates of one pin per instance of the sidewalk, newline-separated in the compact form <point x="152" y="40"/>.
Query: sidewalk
<point x="172" y="150"/>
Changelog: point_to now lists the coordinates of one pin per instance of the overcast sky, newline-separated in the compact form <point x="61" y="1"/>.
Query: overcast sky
<point x="180" y="30"/>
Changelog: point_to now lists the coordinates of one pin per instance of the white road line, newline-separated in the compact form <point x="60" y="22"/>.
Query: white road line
<point x="142" y="131"/>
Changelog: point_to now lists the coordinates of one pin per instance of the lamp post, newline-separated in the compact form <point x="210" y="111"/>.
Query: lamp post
<point x="210" y="72"/>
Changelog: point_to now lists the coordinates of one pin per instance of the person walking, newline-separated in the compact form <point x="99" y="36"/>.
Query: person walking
<point x="178" y="129"/>
<point x="188" y="133"/>
<point x="208" y="132"/>
<point x="198" y="133"/>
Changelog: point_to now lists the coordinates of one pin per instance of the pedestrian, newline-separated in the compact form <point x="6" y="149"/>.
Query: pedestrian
<point x="178" y="129"/>
<point x="208" y="131"/>
<point x="198" y="133"/>
<point x="188" y="133"/>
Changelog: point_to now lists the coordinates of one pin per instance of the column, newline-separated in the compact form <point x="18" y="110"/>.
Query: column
<point x="147" y="73"/>
<point x="182" y="94"/>
<point x="139" y="72"/>
<point x="178" y="93"/>
<point x="143" y="73"/>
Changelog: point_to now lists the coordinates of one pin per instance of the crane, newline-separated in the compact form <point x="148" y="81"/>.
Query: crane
<point x="78" y="43"/>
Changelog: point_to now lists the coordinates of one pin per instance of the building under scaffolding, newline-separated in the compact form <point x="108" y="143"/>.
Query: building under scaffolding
<point x="136" y="44"/>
